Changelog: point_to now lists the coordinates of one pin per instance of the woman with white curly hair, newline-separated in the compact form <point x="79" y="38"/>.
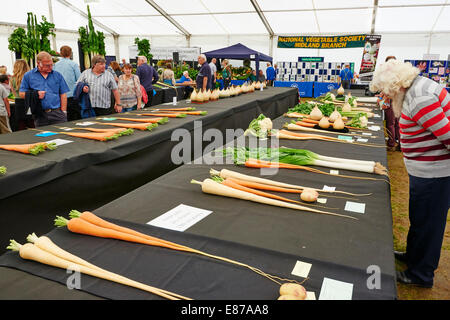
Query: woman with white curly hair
<point x="424" y="110"/>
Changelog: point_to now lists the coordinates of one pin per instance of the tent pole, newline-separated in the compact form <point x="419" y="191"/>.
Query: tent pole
<point x="50" y="11"/>
<point x="116" y="47"/>
<point x="257" y="66"/>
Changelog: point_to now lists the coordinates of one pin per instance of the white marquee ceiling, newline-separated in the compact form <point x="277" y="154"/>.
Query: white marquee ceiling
<point x="234" y="17"/>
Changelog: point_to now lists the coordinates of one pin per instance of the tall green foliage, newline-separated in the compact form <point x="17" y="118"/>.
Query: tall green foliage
<point x="92" y="42"/>
<point x="35" y="39"/>
<point x="143" y="48"/>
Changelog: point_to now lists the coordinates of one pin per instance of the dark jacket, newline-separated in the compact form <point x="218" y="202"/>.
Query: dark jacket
<point x="147" y="76"/>
<point x="83" y="100"/>
<point x="33" y="102"/>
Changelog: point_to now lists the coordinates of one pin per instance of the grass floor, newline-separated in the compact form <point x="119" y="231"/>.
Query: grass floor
<point x="399" y="201"/>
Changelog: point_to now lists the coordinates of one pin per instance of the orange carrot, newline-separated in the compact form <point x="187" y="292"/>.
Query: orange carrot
<point x="177" y="109"/>
<point x="81" y="226"/>
<point x="192" y="113"/>
<point x="138" y="126"/>
<point x="92" y="218"/>
<point x="261" y="186"/>
<point x="305" y="124"/>
<point x="103" y="130"/>
<point x="23" y="148"/>
<point x="310" y="121"/>
<point x="169" y="115"/>
<point x="100" y="136"/>
<point x="152" y="120"/>
<point x="234" y="185"/>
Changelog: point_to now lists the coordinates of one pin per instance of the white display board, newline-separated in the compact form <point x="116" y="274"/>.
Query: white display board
<point x="163" y="53"/>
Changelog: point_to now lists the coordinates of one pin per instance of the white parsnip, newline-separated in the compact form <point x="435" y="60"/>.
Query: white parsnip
<point x="212" y="187"/>
<point x="49" y="246"/>
<point x="32" y="252"/>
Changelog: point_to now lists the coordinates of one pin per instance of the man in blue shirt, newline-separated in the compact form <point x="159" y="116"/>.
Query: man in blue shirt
<point x="186" y="81"/>
<point x="346" y="76"/>
<point x="51" y="89"/>
<point x="147" y="76"/>
<point x="204" y="77"/>
<point x="71" y="72"/>
<point x="270" y="74"/>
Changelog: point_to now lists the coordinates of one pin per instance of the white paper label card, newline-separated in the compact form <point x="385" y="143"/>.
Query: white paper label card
<point x="327" y="188"/>
<point x="335" y="172"/>
<point x="301" y="269"/>
<point x="310" y="295"/>
<point x="367" y="134"/>
<point x="362" y="140"/>
<point x="59" y="142"/>
<point x="86" y="123"/>
<point x="376" y="116"/>
<point x="180" y="218"/>
<point x="335" y="290"/>
<point x="374" y="128"/>
<point x="355" y="207"/>
<point x="322" y="200"/>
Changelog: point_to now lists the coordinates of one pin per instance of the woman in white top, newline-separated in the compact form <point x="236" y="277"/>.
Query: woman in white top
<point x="129" y="89"/>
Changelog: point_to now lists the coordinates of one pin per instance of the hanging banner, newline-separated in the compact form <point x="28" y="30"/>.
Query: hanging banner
<point x="322" y="42"/>
<point x="370" y="57"/>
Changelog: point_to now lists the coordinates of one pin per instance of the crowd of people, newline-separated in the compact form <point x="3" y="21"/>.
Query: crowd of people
<point x="55" y="93"/>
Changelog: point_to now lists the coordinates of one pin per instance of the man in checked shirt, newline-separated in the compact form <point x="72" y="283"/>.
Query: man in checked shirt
<point x="99" y="85"/>
<point x="424" y="110"/>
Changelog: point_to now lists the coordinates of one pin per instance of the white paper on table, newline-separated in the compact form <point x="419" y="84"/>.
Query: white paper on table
<point x="335" y="172"/>
<point x="374" y="128"/>
<point x="376" y="116"/>
<point x="327" y="188"/>
<point x="301" y="269"/>
<point x="355" y="207"/>
<point x="310" y="295"/>
<point x="362" y="140"/>
<point x="180" y="218"/>
<point x="83" y="124"/>
<point x="367" y="134"/>
<point x="322" y="200"/>
<point x="335" y="290"/>
<point x="59" y="142"/>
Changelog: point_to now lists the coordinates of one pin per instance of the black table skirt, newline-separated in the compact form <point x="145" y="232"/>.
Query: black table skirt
<point x="88" y="174"/>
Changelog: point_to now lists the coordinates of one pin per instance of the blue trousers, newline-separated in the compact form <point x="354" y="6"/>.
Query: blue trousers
<point x="429" y="201"/>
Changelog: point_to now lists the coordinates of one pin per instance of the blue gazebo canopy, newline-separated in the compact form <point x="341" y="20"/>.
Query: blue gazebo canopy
<point x="237" y="52"/>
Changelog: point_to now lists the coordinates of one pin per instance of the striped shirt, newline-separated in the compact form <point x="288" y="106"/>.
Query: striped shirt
<point x="100" y="87"/>
<point x="425" y="129"/>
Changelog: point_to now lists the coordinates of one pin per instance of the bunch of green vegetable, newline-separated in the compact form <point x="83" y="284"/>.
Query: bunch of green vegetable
<point x="143" y="48"/>
<point x="2" y="170"/>
<point x="306" y="108"/>
<point x="260" y="127"/>
<point x="358" y="121"/>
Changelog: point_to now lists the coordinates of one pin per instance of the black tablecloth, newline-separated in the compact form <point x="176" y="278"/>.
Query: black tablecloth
<point x="88" y="174"/>
<point x="187" y="274"/>
<point x="335" y="245"/>
<point x="164" y="95"/>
